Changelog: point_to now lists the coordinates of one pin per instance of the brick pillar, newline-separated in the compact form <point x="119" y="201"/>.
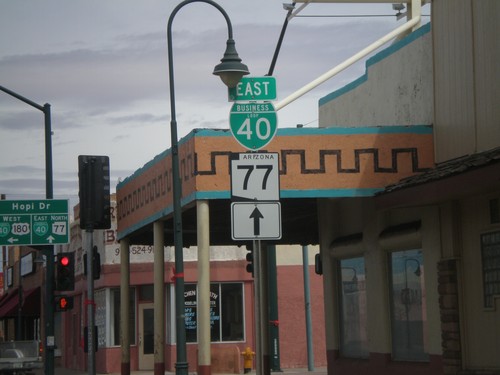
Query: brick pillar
<point x="450" y="316"/>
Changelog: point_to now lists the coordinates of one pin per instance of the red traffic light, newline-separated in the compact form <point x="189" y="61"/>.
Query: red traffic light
<point x="64" y="261"/>
<point x="65" y="271"/>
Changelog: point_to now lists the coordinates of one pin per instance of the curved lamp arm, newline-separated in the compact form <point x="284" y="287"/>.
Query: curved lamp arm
<point x="230" y="70"/>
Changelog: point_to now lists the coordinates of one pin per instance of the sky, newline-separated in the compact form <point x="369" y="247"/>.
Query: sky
<point x="102" y="66"/>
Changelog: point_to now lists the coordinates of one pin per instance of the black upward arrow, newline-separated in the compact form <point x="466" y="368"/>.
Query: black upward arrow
<point x="256" y="216"/>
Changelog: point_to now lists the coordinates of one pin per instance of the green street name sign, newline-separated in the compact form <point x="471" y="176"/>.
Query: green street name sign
<point x="254" y="89"/>
<point x="253" y="125"/>
<point x="34" y="222"/>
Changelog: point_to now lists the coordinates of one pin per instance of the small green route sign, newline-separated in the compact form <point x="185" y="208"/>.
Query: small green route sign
<point x="253" y="89"/>
<point x="253" y="125"/>
<point x="34" y="222"/>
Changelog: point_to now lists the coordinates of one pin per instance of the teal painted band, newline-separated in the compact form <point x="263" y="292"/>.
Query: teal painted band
<point x="375" y="59"/>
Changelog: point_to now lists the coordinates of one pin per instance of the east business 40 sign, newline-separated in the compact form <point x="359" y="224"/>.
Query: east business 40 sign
<point x="253" y="125"/>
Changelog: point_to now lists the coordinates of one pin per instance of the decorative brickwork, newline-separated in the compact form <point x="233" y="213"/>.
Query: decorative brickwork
<point x="318" y="163"/>
<point x="450" y="317"/>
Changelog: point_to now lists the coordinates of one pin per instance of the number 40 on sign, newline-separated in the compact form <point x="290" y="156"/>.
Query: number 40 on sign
<point x="253" y="125"/>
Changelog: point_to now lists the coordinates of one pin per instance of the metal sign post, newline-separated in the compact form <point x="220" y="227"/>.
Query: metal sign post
<point x="90" y="303"/>
<point x="258" y="308"/>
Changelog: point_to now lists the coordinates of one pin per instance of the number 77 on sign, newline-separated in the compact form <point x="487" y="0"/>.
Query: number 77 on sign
<point x="255" y="177"/>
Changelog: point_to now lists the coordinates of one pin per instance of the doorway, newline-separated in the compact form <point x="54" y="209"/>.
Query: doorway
<point x="146" y="336"/>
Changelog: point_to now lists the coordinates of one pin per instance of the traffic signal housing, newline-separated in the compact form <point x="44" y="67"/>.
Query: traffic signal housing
<point x="63" y="303"/>
<point x="96" y="263"/>
<point x="94" y="192"/>
<point x="250" y="259"/>
<point x="65" y="271"/>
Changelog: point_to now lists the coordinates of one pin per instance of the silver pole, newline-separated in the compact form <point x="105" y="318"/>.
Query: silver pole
<point x="307" y="298"/>
<point x="258" y="317"/>
<point x="90" y="303"/>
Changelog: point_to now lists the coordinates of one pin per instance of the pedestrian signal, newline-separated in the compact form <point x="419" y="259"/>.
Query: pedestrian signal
<point x="63" y="303"/>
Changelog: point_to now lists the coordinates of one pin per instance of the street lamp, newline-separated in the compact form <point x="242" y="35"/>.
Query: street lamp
<point x="49" y="249"/>
<point x="230" y="70"/>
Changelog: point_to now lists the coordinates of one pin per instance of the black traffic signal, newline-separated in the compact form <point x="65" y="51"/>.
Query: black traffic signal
<point x="65" y="271"/>
<point x="250" y="259"/>
<point x="318" y="264"/>
<point x="63" y="303"/>
<point x="94" y="185"/>
<point x="96" y="264"/>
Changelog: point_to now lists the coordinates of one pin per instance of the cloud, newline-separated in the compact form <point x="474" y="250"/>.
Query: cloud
<point x="20" y="121"/>
<point x="105" y="74"/>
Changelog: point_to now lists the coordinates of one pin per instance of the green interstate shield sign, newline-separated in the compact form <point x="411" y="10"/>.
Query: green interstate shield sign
<point x="253" y="125"/>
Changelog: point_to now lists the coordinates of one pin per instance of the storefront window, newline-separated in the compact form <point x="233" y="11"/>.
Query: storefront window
<point x="115" y="317"/>
<point x="490" y="249"/>
<point x="353" y="336"/>
<point x="226" y="312"/>
<point x="409" y="321"/>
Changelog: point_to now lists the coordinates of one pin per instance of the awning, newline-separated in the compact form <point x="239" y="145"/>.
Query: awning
<point x="30" y="307"/>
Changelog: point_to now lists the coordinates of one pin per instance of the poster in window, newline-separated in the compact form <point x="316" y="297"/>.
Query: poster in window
<point x="214" y="313"/>
<point x="190" y="312"/>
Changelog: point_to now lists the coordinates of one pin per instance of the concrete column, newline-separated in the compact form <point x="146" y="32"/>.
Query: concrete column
<point x="328" y="215"/>
<point x="125" y="305"/>
<point x="203" y="228"/>
<point x="159" y="298"/>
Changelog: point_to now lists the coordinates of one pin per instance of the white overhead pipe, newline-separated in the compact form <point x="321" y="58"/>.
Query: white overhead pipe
<point x="355" y="1"/>
<point x="358" y="56"/>
<point x="298" y="10"/>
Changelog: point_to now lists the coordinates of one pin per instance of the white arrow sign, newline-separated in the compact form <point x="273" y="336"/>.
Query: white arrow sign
<point x="256" y="220"/>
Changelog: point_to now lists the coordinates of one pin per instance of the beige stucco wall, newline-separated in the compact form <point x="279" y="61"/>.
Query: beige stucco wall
<point x="390" y="93"/>
<point x="467" y="78"/>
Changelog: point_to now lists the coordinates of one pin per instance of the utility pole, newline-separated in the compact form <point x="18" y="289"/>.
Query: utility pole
<point x="48" y="250"/>
<point x="94" y="184"/>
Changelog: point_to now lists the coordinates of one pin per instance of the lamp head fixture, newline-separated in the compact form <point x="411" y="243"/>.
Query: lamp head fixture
<point x="418" y="271"/>
<point x="231" y="69"/>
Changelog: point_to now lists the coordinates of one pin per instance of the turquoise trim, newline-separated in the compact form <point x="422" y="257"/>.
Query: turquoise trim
<point x="421" y="31"/>
<point x="329" y="193"/>
<point x="284" y="194"/>
<point x="389" y="129"/>
<point x="212" y="132"/>
<point x="226" y="194"/>
<point x="375" y="59"/>
<point x="157" y="158"/>
<point x="140" y="224"/>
